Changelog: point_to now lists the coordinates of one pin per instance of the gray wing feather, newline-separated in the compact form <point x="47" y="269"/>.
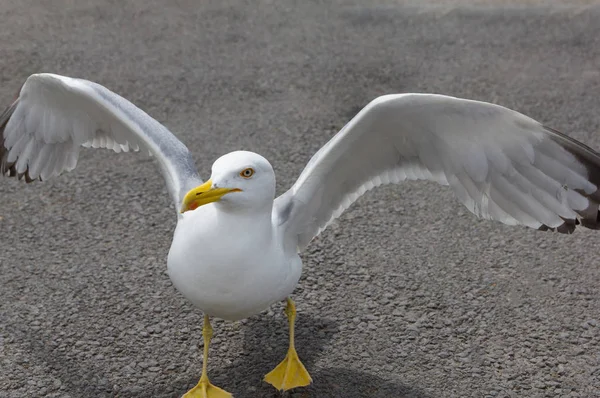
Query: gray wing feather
<point x="502" y="165"/>
<point x="42" y="132"/>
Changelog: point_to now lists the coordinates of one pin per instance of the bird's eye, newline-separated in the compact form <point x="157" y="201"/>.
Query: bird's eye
<point x="247" y="173"/>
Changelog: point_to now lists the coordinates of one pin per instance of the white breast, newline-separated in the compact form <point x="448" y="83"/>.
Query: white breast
<point x="229" y="266"/>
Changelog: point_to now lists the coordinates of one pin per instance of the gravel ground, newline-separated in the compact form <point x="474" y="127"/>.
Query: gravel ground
<point x="408" y="295"/>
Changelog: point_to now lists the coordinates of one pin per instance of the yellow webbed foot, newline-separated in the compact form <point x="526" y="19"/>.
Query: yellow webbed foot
<point x="205" y="389"/>
<point x="290" y="373"/>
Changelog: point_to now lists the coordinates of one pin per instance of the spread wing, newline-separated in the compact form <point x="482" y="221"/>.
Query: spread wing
<point x="501" y="165"/>
<point x="54" y="116"/>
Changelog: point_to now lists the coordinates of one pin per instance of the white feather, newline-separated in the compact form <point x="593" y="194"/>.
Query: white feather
<point x="55" y="115"/>
<point x="502" y="165"/>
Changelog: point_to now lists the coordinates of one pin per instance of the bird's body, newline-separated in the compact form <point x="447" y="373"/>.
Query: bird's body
<point x="235" y="248"/>
<point x="231" y="266"/>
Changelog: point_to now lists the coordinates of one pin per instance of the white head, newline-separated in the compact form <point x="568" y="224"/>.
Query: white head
<point x="240" y="180"/>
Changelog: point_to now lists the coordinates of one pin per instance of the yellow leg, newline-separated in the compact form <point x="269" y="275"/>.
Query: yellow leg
<point x="290" y="373"/>
<point x="204" y="388"/>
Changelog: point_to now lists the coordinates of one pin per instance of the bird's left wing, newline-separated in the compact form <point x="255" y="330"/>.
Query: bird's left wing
<point x="54" y="116"/>
<point x="501" y="164"/>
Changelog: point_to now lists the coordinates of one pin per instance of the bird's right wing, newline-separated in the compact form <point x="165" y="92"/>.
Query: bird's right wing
<point x="42" y="132"/>
<point x="501" y="164"/>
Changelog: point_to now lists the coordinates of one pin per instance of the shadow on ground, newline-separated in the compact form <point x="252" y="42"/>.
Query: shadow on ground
<point x="253" y="363"/>
<point x="243" y="377"/>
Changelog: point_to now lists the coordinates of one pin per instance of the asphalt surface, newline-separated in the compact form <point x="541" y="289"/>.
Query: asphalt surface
<point x="408" y="295"/>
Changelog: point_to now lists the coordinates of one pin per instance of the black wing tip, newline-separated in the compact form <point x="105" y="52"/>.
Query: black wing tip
<point x="590" y="159"/>
<point x="10" y="170"/>
<point x="6" y="168"/>
<point x="569" y="225"/>
<point x="560" y="137"/>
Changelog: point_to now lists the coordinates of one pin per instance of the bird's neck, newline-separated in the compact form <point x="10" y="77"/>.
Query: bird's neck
<point x="253" y="219"/>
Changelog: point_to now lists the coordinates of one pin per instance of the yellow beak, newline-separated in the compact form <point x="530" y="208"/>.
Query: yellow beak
<point x="204" y="194"/>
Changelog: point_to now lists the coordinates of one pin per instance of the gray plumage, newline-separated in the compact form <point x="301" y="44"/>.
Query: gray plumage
<point x="42" y="132"/>
<point x="501" y="165"/>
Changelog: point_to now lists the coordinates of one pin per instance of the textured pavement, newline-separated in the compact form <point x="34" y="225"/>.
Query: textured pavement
<point x="408" y="295"/>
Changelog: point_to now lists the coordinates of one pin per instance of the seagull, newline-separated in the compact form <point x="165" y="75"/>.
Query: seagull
<point x="235" y="249"/>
